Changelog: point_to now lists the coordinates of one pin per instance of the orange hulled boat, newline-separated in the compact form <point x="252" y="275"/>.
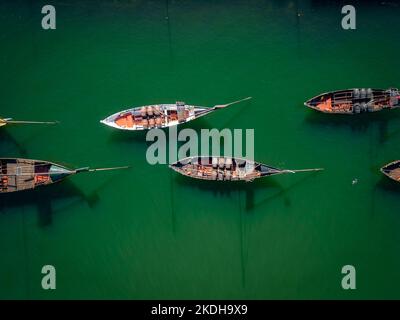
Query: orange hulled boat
<point x="355" y="101"/>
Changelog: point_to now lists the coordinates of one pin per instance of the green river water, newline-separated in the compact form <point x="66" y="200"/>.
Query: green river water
<point x="148" y="233"/>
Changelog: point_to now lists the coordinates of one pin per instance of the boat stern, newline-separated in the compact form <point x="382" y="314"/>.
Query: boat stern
<point x="200" y="111"/>
<point x="178" y="165"/>
<point x="394" y="97"/>
<point x="392" y="170"/>
<point x="268" y="170"/>
<point x="322" y="103"/>
<point x="121" y="120"/>
<point x="110" y="121"/>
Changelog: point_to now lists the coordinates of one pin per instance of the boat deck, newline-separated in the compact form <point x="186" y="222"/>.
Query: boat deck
<point x="395" y="174"/>
<point x="21" y="174"/>
<point x="16" y="176"/>
<point x="154" y="116"/>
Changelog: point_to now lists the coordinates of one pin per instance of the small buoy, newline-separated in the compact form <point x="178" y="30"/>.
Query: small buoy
<point x="355" y="181"/>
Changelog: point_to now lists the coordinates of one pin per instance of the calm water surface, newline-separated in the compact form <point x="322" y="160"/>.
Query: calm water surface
<point x="149" y="233"/>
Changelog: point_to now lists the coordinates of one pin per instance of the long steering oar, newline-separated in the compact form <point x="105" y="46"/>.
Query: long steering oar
<point x="87" y="169"/>
<point x="4" y="122"/>
<point x="220" y="106"/>
<point x="303" y="170"/>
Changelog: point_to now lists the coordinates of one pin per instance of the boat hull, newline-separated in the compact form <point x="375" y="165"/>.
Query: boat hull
<point x="223" y="169"/>
<point x="392" y="170"/>
<point x="155" y="116"/>
<point x="355" y="101"/>
<point x="19" y="174"/>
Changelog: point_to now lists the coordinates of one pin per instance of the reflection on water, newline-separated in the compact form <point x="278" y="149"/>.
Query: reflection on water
<point x="389" y="185"/>
<point x="358" y="123"/>
<point x="269" y="189"/>
<point x="8" y="143"/>
<point x="63" y="196"/>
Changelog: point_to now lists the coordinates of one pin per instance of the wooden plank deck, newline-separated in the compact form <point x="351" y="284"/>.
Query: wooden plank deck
<point x="395" y="174"/>
<point x="26" y="179"/>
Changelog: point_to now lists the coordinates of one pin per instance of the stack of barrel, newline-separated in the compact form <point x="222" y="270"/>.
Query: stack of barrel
<point x="366" y="105"/>
<point x="224" y="165"/>
<point x="151" y="116"/>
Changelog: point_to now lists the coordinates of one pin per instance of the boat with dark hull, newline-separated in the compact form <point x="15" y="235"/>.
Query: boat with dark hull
<point x="227" y="169"/>
<point x="392" y="170"/>
<point x="355" y="101"/>
<point x="18" y="174"/>
<point x="159" y="115"/>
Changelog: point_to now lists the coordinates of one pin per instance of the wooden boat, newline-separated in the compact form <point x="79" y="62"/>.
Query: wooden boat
<point x="24" y="174"/>
<point x="227" y="169"/>
<point x="354" y="101"/>
<point x="159" y="115"/>
<point x="392" y="170"/>
<point x="6" y="121"/>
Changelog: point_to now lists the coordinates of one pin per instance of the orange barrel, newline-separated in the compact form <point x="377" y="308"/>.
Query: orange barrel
<point x="158" y="121"/>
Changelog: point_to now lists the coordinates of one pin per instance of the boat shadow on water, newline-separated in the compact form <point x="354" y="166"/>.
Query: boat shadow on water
<point x="138" y="138"/>
<point x="271" y="188"/>
<point x="389" y="186"/>
<point x="63" y="195"/>
<point x="7" y="141"/>
<point x="134" y="137"/>
<point x="358" y="123"/>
